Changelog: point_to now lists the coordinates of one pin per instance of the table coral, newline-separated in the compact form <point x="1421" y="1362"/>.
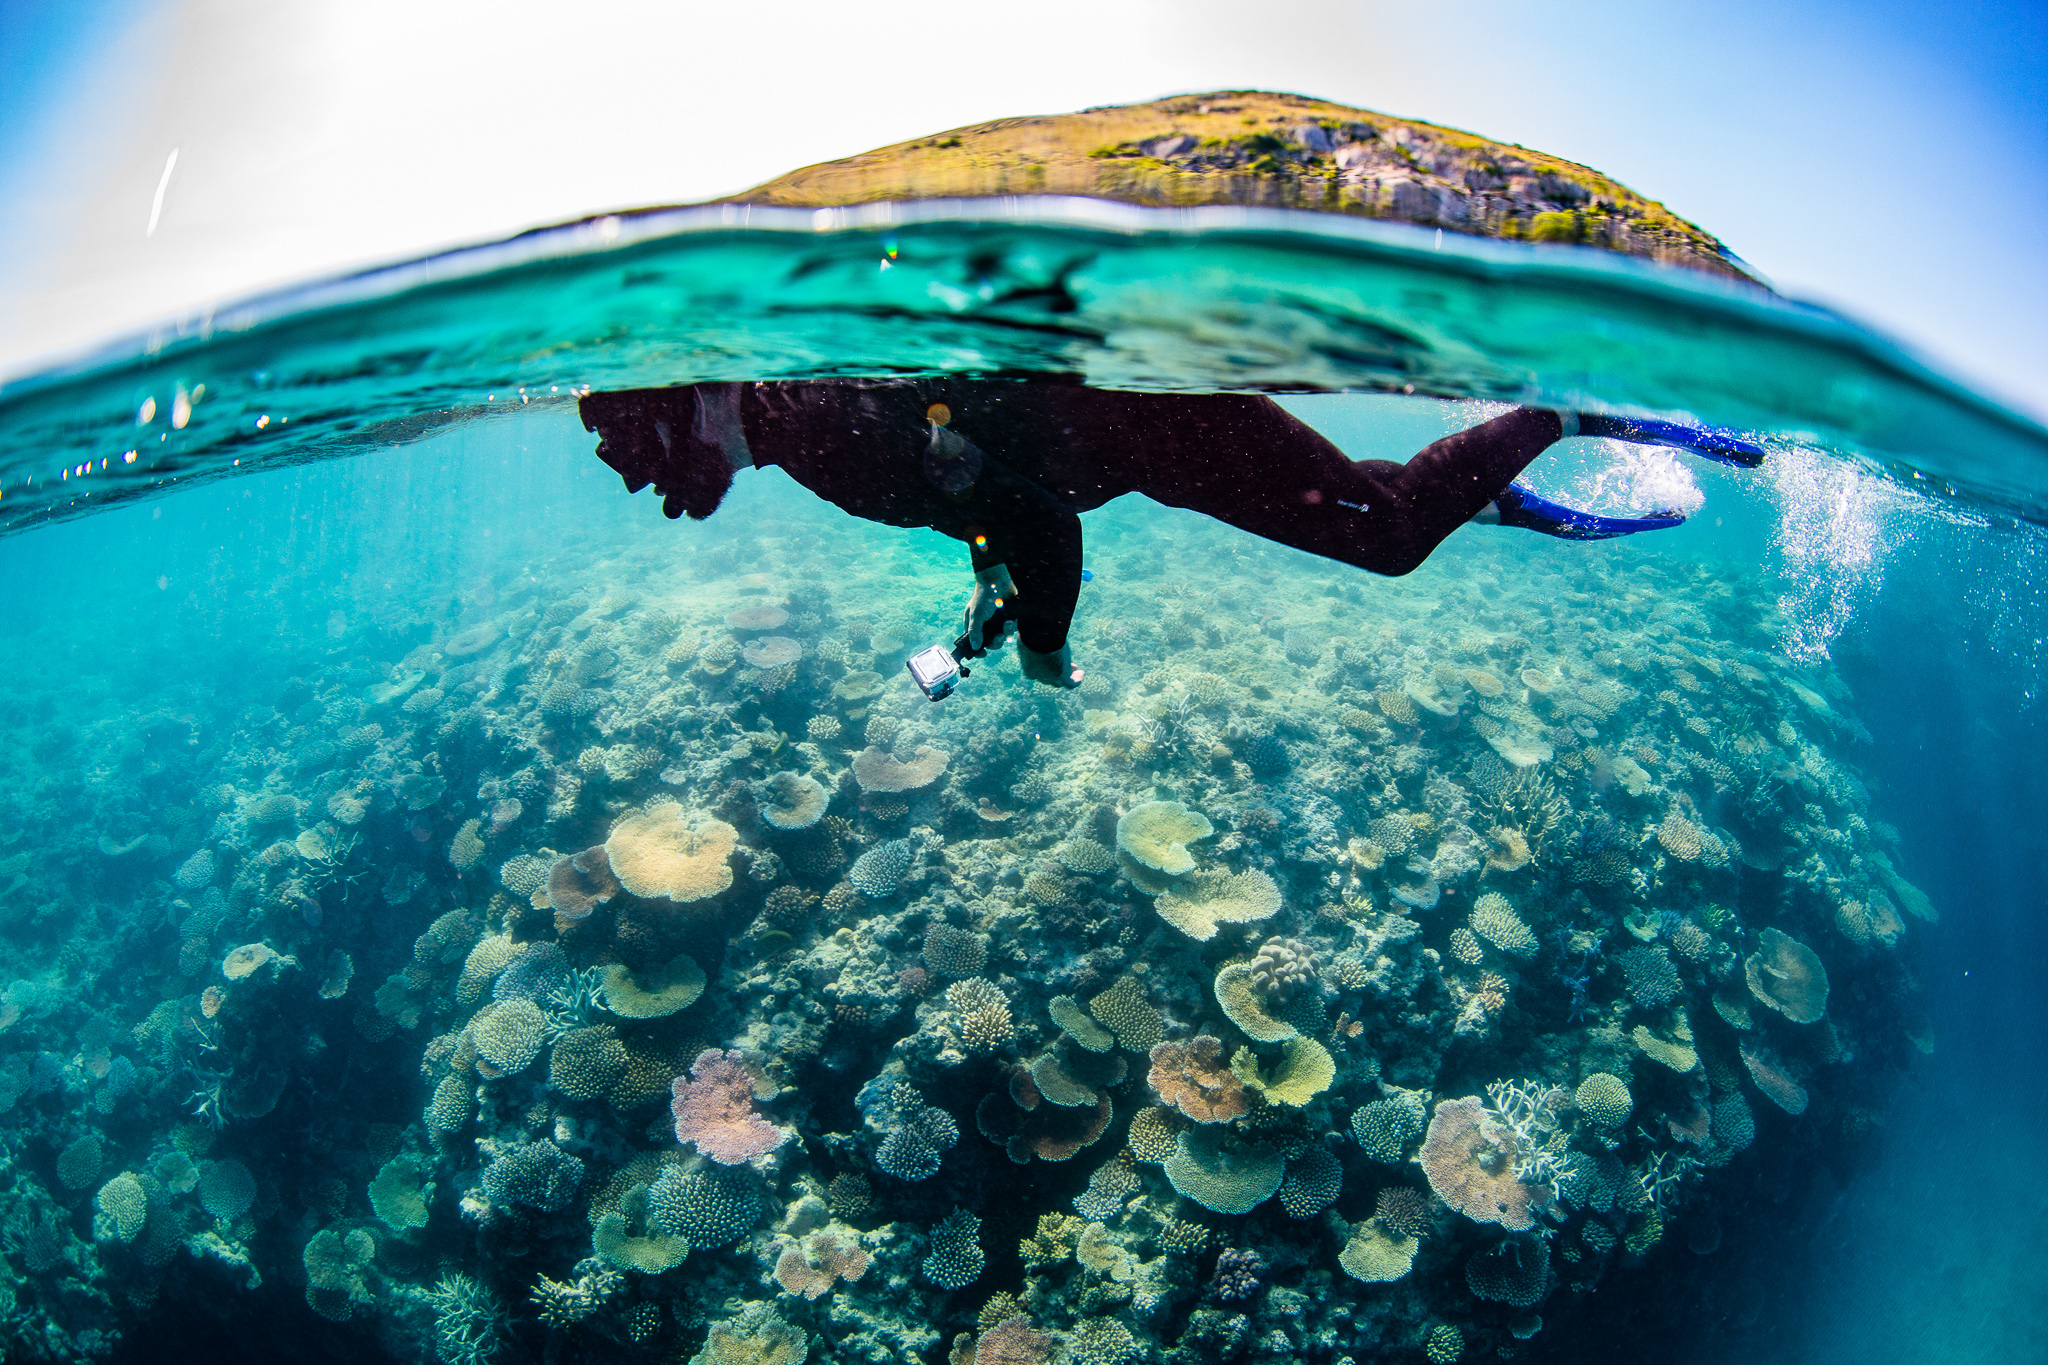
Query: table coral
<point x="665" y="854"/>
<point x="1157" y="833"/>
<point x="1470" y="1160"/>
<point x="1194" y="1078"/>
<point x="714" y="1110"/>
<point x="1788" y="976"/>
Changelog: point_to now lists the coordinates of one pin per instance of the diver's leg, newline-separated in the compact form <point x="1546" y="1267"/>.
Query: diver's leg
<point x="1247" y="462"/>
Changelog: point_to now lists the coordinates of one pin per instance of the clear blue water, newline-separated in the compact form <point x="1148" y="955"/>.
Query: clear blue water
<point x="216" y="634"/>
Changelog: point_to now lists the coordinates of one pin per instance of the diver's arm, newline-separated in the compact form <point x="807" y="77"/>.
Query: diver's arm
<point x="1023" y="538"/>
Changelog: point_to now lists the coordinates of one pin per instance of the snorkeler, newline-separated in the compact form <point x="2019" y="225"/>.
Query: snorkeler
<point x="1007" y="466"/>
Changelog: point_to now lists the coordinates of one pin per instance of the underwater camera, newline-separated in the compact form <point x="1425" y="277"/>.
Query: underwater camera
<point x="937" y="669"/>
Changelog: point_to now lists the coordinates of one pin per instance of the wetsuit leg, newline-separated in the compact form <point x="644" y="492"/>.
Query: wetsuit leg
<point x="1247" y="462"/>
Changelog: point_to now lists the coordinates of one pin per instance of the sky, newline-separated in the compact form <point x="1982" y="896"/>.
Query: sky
<point x="1887" y="159"/>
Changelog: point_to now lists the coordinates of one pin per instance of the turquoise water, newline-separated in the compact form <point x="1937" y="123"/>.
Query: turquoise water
<point x="291" y="758"/>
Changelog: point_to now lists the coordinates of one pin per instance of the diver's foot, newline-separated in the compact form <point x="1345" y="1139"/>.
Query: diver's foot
<point x="1519" y="506"/>
<point x="1715" y="443"/>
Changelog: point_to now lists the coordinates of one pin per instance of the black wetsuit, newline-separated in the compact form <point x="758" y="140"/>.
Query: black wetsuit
<point x="1043" y="451"/>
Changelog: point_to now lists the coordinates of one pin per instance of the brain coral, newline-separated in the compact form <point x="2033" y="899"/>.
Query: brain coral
<point x="226" y="1189"/>
<point x="1788" y="976"/>
<point x="1470" y="1162"/>
<point x="581" y="882"/>
<point x="1193" y="1078"/>
<point x="714" y="1110"/>
<point x="673" y="986"/>
<point x="878" y="770"/>
<point x="1199" y="903"/>
<point x="538" y="1175"/>
<point x="880" y="870"/>
<point x="508" y="1036"/>
<point x="123" y="1209"/>
<point x="1312" y="1184"/>
<point x="1222" y="1173"/>
<point x="1386" y="1127"/>
<point x="1495" y="920"/>
<point x="956" y="1258"/>
<point x="707" y="1208"/>
<point x="1238" y="997"/>
<point x="1156" y="834"/>
<point x="1377" y="1254"/>
<point x="663" y="854"/>
<point x="792" y="800"/>
<point x="1604" y="1099"/>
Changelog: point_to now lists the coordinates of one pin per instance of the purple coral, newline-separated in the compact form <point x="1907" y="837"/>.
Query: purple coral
<point x="1237" y="1277"/>
<point x="714" y="1108"/>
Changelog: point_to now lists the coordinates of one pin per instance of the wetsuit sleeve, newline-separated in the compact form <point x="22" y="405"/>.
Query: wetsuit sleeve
<point x="1010" y="520"/>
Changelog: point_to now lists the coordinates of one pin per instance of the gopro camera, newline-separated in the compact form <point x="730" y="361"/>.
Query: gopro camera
<point x="936" y="672"/>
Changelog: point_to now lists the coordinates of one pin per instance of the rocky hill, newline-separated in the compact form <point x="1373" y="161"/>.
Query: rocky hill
<point x="1283" y="151"/>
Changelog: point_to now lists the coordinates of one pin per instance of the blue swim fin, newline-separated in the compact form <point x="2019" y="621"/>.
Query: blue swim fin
<point x="1532" y="512"/>
<point x="1716" y="443"/>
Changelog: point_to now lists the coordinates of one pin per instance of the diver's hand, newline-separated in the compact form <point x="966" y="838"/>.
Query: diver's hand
<point x="1054" y="670"/>
<point x="992" y="591"/>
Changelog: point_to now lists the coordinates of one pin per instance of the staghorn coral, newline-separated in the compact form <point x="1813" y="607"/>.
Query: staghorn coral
<point x="1788" y="976"/>
<point x="1470" y="1160"/>
<point x="663" y="854"/>
<point x="1513" y="1272"/>
<point x="878" y="770"/>
<point x="714" y="1110"/>
<point x="1156" y="834"/>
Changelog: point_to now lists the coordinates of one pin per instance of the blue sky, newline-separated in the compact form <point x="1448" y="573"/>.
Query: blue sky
<point x="1888" y="159"/>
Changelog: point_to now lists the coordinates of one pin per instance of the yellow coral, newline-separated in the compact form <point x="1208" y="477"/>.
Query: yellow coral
<point x="1680" y="837"/>
<point x="1157" y="833"/>
<point x="652" y="995"/>
<point x="1199" y="903"/>
<point x="1304" y="1071"/>
<point x="664" y="855"/>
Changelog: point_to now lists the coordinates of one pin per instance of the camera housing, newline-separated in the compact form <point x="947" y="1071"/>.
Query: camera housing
<point x="935" y="671"/>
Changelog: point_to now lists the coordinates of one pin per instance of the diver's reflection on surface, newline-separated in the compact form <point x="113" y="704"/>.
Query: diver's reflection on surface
<point x="1007" y="466"/>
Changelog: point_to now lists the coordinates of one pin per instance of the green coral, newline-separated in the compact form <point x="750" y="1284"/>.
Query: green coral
<point x="400" y="1192"/>
<point x="1604" y="1099"/>
<point x="1223" y="1173"/>
<point x="1384" y="1128"/>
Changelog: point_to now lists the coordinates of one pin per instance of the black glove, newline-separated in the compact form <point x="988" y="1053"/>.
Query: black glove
<point x="647" y="435"/>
